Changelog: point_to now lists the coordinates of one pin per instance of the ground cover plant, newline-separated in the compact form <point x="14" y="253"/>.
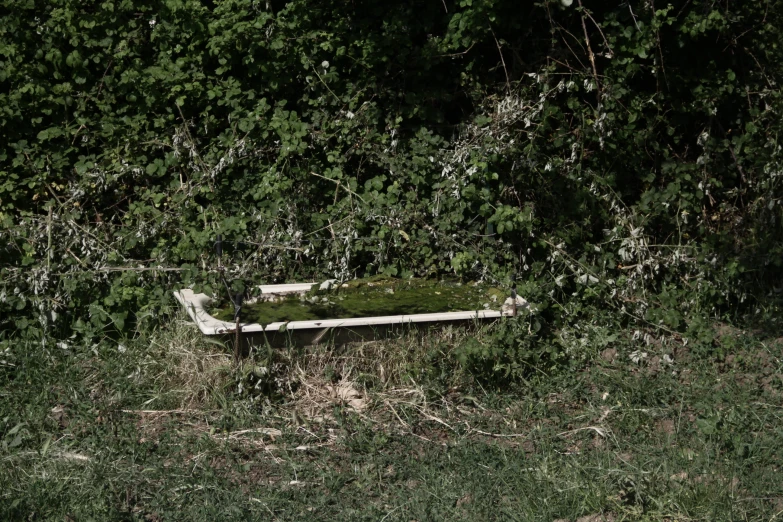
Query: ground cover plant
<point x="620" y="162"/>
<point x="165" y="427"/>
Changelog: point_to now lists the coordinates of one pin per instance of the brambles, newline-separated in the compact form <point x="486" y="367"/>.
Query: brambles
<point x="320" y="146"/>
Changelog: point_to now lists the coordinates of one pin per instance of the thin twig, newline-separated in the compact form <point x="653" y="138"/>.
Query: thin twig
<point x="599" y="430"/>
<point x="136" y="269"/>
<point x="466" y="51"/>
<point x="565" y="41"/>
<point x="498" y="435"/>
<point x="190" y="139"/>
<point x="167" y="412"/>
<point x="763" y="71"/>
<point x="590" y="54"/>
<point x="502" y="60"/>
<point x="273" y="432"/>
<point x="387" y="403"/>
<point x="733" y="155"/>
<point x="68" y="249"/>
<point x="327" y="87"/>
<point x="606" y="42"/>
<point x="49" y="239"/>
<point x="634" y="16"/>
<point x="262" y="246"/>
<point x="77" y="133"/>
<point x="100" y="87"/>
<point x="338" y="182"/>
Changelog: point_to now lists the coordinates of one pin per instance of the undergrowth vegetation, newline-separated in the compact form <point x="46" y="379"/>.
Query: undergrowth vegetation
<point x="620" y="163"/>
<point x="623" y="156"/>
<point x="166" y="427"/>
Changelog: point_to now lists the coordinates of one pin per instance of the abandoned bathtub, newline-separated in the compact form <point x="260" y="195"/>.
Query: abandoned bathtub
<point x="313" y="313"/>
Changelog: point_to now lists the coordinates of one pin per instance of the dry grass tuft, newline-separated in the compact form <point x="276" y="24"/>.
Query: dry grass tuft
<point x="187" y="366"/>
<point x="366" y="376"/>
<point x="391" y="362"/>
<point x="377" y="379"/>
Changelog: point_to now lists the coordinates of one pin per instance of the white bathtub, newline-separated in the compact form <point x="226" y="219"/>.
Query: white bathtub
<point x="335" y="330"/>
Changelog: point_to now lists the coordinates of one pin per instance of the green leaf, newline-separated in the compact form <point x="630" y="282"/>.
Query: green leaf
<point x="707" y="426"/>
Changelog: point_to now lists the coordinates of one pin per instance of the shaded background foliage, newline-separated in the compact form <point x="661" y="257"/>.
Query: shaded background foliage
<point x="613" y="154"/>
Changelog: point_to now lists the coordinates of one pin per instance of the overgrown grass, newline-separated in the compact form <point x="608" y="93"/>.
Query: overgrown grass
<point x="164" y="427"/>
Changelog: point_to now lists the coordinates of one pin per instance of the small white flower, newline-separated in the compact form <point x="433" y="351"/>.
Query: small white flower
<point x="325" y="64"/>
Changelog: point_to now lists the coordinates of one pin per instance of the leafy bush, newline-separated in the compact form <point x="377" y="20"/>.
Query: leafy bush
<point x="513" y="351"/>
<point x="613" y="155"/>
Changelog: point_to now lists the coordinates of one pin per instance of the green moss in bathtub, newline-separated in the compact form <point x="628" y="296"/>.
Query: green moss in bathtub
<point x="371" y="297"/>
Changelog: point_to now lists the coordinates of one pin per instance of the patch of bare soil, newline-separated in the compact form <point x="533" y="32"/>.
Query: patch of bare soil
<point x="681" y="352"/>
<point x="654" y="366"/>
<point x="679" y="477"/>
<point x="725" y="330"/>
<point x="665" y="426"/>
<point x="467" y="499"/>
<point x="316" y="397"/>
<point x="609" y="354"/>
<point x="625" y="457"/>
<point x="60" y="416"/>
<point x="152" y="423"/>
<point x="772" y="385"/>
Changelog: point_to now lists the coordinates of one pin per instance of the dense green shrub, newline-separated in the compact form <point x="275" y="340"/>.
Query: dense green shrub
<point x="610" y="154"/>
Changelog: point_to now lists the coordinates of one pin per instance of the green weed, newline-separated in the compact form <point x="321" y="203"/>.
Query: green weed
<point x="394" y="430"/>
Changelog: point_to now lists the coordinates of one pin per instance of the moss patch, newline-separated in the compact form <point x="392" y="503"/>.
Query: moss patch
<point x="370" y="298"/>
